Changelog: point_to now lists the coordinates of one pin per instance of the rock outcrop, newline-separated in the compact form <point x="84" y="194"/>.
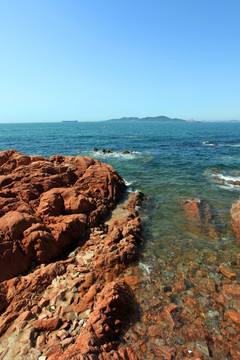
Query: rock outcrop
<point x="46" y="204"/>
<point x="74" y="307"/>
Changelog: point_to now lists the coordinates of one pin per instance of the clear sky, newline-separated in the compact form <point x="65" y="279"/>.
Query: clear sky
<point x="100" y="59"/>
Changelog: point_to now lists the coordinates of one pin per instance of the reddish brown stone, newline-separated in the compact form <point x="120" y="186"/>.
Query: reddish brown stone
<point x="234" y="316"/>
<point x="47" y="324"/>
<point x="44" y="202"/>
<point x="202" y="213"/>
<point x="232" y="290"/>
<point x="228" y="272"/>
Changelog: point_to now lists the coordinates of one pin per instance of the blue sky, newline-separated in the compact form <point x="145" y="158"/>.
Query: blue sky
<point x="99" y="59"/>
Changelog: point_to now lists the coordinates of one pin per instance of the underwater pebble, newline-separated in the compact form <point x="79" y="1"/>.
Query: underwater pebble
<point x="169" y="274"/>
<point x="176" y="300"/>
<point x="212" y="324"/>
<point x="213" y="313"/>
<point x="201" y="346"/>
<point x="179" y="339"/>
<point x="215" y="276"/>
<point x="188" y="284"/>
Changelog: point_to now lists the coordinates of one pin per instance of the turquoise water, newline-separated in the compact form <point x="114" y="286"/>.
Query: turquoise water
<point x="169" y="162"/>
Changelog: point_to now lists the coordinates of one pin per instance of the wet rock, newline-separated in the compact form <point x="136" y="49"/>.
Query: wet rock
<point x="155" y="330"/>
<point x="180" y="340"/>
<point x="169" y="274"/>
<point x="235" y="219"/>
<point x="202" y="213"/>
<point x="202" y="347"/>
<point x="213" y="325"/>
<point x="227" y="272"/>
<point x="231" y="290"/>
<point x="234" y="316"/>
<point x="188" y="284"/>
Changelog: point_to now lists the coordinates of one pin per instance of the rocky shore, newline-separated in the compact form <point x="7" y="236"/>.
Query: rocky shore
<point x="59" y="262"/>
<point x="70" y="285"/>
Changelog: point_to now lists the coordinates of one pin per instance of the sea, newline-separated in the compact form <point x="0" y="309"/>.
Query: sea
<point x="169" y="162"/>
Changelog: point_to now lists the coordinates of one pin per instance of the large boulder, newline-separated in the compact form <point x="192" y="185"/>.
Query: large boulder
<point x="46" y="204"/>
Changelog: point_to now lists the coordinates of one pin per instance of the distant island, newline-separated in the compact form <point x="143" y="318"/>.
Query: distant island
<point x="149" y="118"/>
<point x="69" y="121"/>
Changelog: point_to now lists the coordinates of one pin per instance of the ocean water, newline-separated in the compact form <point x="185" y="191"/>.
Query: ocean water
<point x="169" y="162"/>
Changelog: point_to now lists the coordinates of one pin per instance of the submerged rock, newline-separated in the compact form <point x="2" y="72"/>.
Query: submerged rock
<point x="235" y="219"/>
<point x="202" y="213"/>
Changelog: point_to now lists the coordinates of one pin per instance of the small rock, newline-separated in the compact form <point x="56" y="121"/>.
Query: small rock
<point x="169" y="274"/>
<point x="201" y="346"/>
<point x="154" y="330"/>
<point x="167" y="288"/>
<point x="188" y="284"/>
<point x="81" y="322"/>
<point x="176" y="300"/>
<point x="212" y="324"/>
<point x="234" y="316"/>
<point x="66" y="341"/>
<point x="212" y="313"/>
<point x="215" y="276"/>
<point x="227" y="272"/>
<point x="179" y="339"/>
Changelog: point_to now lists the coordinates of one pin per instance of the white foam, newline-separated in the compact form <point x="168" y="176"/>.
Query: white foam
<point x="145" y="267"/>
<point x="127" y="183"/>
<point x="207" y="143"/>
<point x="226" y="178"/>
<point x="114" y="154"/>
<point x="232" y="145"/>
<point x="227" y="182"/>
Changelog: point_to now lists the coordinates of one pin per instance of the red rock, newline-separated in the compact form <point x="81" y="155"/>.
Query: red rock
<point x="155" y="330"/>
<point x="88" y="298"/>
<point x="226" y="271"/>
<point x="235" y="219"/>
<point x="201" y="212"/>
<point x="52" y="195"/>
<point x="54" y="202"/>
<point x="47" y="324"/>
<point x="234" y="316"/>
<point x="232" y="290"/>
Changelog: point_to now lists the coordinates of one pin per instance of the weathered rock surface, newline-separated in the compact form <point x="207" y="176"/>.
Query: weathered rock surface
<point x="46" y="204"/>
<point x="73" y="308"/>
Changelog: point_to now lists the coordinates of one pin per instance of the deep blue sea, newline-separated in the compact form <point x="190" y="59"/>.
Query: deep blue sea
<point x="170" y="162"/>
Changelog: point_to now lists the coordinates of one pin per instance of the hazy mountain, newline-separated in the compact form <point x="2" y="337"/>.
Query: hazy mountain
<point x="149" y="118"/>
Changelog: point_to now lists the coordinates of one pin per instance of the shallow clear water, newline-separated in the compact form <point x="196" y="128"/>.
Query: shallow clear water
<point x="169" y="162"/>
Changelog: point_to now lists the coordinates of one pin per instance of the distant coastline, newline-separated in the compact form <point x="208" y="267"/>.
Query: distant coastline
<point x="149" y="118"/>
<point x="70" y="121"/>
